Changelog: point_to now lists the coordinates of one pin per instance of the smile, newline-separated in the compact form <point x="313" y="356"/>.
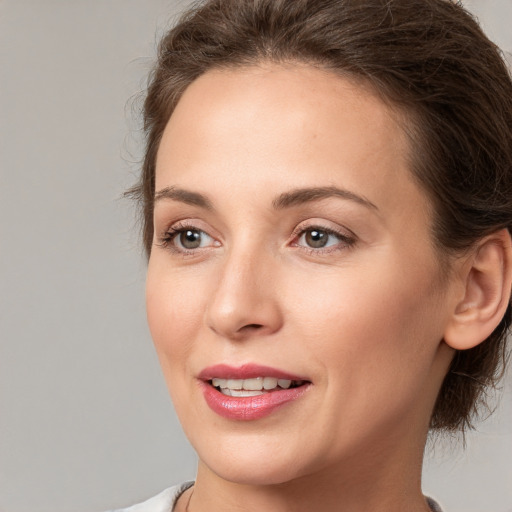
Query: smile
<point x="249" y="392"/>
<point x="253" y="387"/>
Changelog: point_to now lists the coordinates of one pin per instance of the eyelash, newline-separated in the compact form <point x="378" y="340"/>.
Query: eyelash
<point x="344" y="241"/>
<point x="166" y="241"/>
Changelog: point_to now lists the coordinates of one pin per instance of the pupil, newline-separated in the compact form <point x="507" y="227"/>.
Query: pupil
<point x="316" y="238"/>
<point x="190" y="239"/>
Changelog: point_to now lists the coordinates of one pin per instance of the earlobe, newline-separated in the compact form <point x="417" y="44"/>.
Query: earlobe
<point x="487" y="287"/>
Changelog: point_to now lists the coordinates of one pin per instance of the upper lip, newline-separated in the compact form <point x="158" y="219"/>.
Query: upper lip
<point x="245" y="371"/>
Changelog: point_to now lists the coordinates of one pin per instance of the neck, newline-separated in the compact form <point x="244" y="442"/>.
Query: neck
<point x="380" y="480"/>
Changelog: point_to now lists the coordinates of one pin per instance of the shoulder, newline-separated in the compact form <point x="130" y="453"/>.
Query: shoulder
<point x="162" y="502"/>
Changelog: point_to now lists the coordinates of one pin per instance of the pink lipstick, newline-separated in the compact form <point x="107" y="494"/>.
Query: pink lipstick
<point x="249" y="392"/>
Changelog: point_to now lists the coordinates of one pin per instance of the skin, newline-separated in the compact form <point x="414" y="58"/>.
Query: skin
<point x="362" y="318"/>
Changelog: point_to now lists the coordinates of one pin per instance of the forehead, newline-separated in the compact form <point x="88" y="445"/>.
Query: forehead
<point x="288" y="126"/>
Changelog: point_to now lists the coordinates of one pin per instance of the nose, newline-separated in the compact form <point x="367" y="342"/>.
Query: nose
<point x="245" y="300"/>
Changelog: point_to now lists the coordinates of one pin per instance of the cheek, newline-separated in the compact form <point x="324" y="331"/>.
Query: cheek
<point x="375" y="319"/>
<point x="373" y="338"/>
<point x="173" y="305"/>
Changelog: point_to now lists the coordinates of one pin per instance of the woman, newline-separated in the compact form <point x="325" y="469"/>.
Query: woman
<point x="327" y="203"/>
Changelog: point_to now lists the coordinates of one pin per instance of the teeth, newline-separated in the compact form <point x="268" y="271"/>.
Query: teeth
<point x="284" y="383"/>
<point x="256" y="384"/>
<point x="240" y="392"/>
<point x="253" y="384"/>
<point x="269" y="383"/>
<point x="235" y="384"/>
<point x="219" y="383"/>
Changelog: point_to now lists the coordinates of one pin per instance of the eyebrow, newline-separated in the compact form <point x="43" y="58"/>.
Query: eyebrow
<point x="184" y="196"/>
<point x="307" y="195"/>
<point x="283" y="201"/>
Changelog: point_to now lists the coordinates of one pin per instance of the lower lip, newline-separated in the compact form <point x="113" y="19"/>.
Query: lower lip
<point x="251" y="407"/>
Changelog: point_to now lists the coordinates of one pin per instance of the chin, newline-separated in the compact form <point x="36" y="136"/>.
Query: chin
<point x="251" y="462"/>
<point x="254" y="474"/>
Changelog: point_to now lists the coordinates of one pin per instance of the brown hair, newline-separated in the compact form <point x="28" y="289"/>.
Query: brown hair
<point x="428" y="58"/>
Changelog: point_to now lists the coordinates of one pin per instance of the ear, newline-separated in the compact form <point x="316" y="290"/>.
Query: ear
<point x="487" y="278"/>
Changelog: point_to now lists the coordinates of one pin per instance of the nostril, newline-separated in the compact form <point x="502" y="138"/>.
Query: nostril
<point x="251" y="327"/>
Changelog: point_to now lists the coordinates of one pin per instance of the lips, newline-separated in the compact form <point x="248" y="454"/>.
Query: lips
<point x="249" y="392"/>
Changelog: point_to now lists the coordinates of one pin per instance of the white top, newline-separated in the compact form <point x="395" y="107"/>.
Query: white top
<point x="163" y="502"/>
<point x="166" y="500"/>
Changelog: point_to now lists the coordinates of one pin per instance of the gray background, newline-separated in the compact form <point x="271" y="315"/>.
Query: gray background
<point x="85" y="421"/>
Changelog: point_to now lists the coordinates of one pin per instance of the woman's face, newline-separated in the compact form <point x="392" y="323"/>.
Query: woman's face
<point x="292" y="243"/>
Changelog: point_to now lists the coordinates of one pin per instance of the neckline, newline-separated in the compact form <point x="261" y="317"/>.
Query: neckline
<point x="433" y="505"/>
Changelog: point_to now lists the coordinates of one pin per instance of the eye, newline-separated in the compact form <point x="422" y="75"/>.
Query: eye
<point x="185" y="239"/>
<point x="191" y="239"/>
<point x="316" y="237"/>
